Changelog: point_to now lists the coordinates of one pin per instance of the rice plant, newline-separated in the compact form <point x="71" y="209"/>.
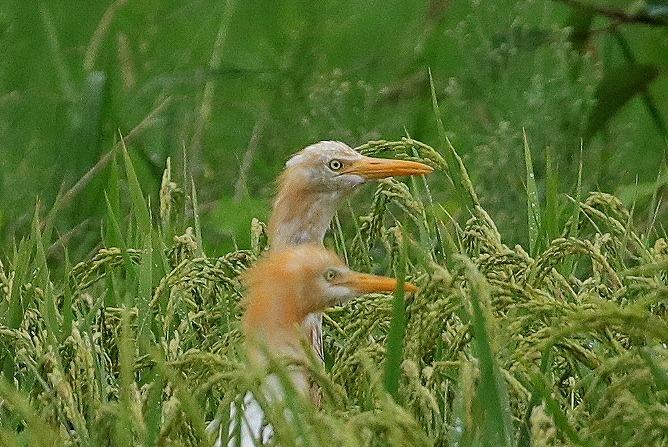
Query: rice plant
<point x="561" y="343"/>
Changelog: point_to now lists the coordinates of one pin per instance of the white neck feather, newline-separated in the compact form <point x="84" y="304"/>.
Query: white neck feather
<point x="302" y="221"/>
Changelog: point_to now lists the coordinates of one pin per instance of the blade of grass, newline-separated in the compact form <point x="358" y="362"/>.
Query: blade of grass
<point x="101" y="31"/>
<point x="19" y="297"/>
<point x="144" y="294"/>
<point x="655" y="201"/>
<point x="395" y="337"/>
<point x="137" y="198"/>
<point x="533" y="205"/>
<point x="463" y="186"/>
<point x="550" y="222"/>
<point x="436" y="247"/>
<point x="118" y="235"/>
<point x="153" y="405"/>
<point x="67" y="309"/>
<point x="198" y="226"/>
<point x="45" y="302"/>
<point x="536" y="399"/>
<point x="110" y="237"/>
<point x="126" y="360"/>
<point x="40" y="269"/>
<point x="462" y="432"/>
<point x="339" y="238"/>
<point x="67" y="86"/>
<point x="491" y="393"/>
<point x="569" y="264"/>
<point x="89" y="144"/>
<point x="166" y="202"/>
<point x="206" y="106"/>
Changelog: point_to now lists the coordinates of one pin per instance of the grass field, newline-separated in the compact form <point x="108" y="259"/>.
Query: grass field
<point x="558" y="343"/>
<point x="139" y="142"/>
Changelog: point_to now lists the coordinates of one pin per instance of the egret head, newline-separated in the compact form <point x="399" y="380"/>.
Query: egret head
<point x="332" y="166"/>
<point x="313" y="183"/>
<point x="291" y="283"/>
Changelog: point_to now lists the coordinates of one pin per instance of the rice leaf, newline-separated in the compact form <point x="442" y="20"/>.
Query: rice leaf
<point x="550" y="222"/>
<point x="615" y="90"/>
<point x="533" y="204"/>
<point x="140" y="206"/>
<point x="491" y="392"/>
<point x="397" y="331"/>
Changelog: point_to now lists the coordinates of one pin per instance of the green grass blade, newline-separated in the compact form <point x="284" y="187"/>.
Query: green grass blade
<point x="126" y="359"/>
<point x="463" y="427"/>
<point x="26" y="270"/>
<point x="430" y="242"/>
<point x="573" y="231"/>
<point x="339" y="238"/>
<point x="112" y="238"/>
<point x="138" y="202"/>
<point x="198" y="225"/>
<point x="67" y="86"/>
<point x="550" y="221"/>
<point x="40" y="269"/>
<point x="166" y="211"/>
<point x="67" y="309"/>
<point x="466" y="195"/>
<point x="524" y="439"/>
<point x="153" y="407"/>
<point x="144" y="294"/>
<point x="533" y="204"/>
<point x="578" y="197"/>
<point x="491" y="394"/>
<point x="115" y="228"/>
<point x="395" y="337"/>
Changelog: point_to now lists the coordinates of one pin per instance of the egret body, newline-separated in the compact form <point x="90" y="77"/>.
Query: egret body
<point x="283" y="289"/>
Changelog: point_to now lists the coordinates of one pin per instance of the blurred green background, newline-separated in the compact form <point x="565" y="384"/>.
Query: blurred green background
<point x="228" y="89"/>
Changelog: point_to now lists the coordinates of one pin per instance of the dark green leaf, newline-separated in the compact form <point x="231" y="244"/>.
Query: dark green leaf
<point x="617" y="88"/>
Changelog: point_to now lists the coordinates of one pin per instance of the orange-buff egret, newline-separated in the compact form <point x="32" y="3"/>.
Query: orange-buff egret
<point x="285" y="287"/>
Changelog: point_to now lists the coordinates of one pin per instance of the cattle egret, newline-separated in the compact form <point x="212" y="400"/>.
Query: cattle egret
<point x="314" y="182"/>
<point x="312" y="185"/>
<point x="285" y="287"/>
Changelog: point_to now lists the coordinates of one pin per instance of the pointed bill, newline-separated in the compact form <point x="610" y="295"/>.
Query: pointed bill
<point x="374" y="168"/>
<point x="364" y="283"/>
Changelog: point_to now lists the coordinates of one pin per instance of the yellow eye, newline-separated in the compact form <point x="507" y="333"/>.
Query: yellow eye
<point x="335" y="165"/>
<point x="330" y="275"/>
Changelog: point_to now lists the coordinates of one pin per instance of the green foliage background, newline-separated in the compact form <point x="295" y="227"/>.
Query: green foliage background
<point x="127" y="122"/>
<point x="235" y="87"/>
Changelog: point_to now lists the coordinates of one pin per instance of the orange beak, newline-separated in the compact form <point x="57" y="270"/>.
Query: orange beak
<point x="364" y="283"/>
<point x="374" y="168"/>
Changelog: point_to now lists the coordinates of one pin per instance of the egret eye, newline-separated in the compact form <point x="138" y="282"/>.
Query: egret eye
<point x="329" y="275"/>
<point x="335" y="165"/>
